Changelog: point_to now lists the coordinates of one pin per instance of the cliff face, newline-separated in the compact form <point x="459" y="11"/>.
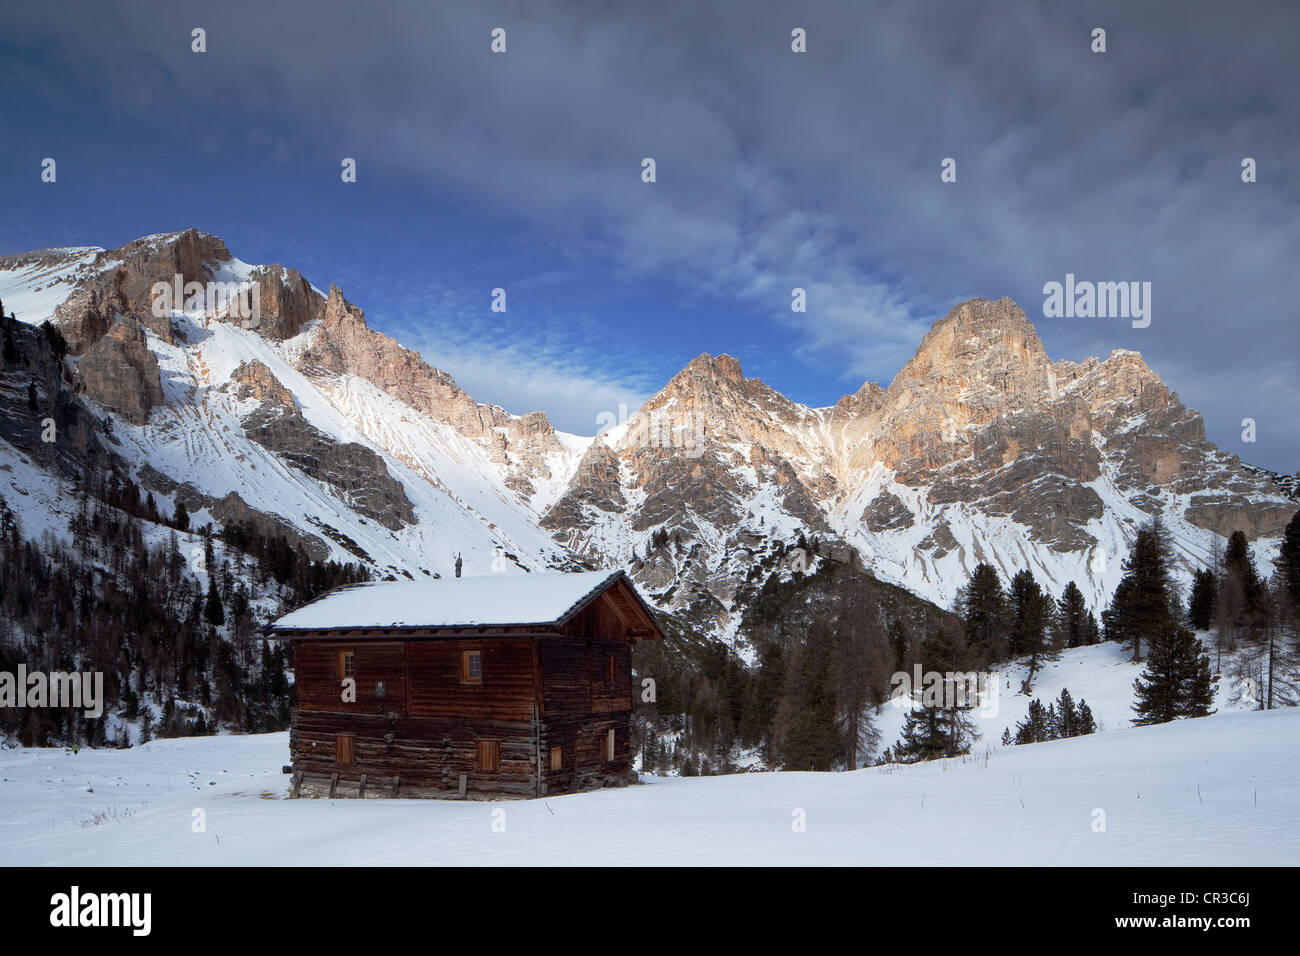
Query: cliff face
<point x="981" y="448"/>
<point x="344" y="345"/>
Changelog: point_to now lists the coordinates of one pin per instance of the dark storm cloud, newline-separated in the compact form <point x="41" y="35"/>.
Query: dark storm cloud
<point x="818" y="170"/>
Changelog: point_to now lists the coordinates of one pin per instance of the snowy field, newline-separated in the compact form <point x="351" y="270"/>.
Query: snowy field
<point x="1220" y="790"/>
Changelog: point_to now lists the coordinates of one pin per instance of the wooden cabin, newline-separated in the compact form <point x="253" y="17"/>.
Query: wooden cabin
<point x="503" y="685"/>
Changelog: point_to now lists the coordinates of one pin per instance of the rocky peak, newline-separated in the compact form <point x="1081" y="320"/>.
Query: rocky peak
<point x="704" y="373"/>
<point x="870" y="396"/>
<point x="340" y="312"/>
<point x="981" y="361"/>
<point x="719" y="367"/>
<point x="191" y="253"/>
<point x="979" y="346"/>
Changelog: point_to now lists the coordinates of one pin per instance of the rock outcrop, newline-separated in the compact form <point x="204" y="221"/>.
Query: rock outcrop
<point x="120" y="371"/>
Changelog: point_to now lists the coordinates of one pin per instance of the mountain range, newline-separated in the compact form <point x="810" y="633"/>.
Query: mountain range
<point x="311" y="424"/>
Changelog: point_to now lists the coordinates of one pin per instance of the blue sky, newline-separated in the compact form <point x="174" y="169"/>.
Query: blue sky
<point x="821" y="170"/>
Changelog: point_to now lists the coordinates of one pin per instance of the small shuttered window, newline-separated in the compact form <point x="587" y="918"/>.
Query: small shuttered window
<point x="557" y="758"/>
<point x="608" y="745"/>
<point x="609" y="667"/>
<point x="345" y="749"/>
<point x="489" y="756"/>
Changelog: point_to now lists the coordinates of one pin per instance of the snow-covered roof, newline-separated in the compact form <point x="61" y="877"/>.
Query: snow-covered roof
<point x="493" y="600"/>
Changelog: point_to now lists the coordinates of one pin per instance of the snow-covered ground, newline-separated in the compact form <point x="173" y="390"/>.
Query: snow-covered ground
<point x="1219" y="790"/>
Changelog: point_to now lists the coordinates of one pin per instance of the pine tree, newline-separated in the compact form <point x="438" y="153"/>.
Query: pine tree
<point x="1198" y="683"/>
<point x="812" y="741"/>
<point x="1238" y="564"/>
<point x="1091" y="630"/>
<point x="1007" y="739"/>
<point x="54" y="339"/>
<point x="1200" y="607"/>
<point x="1084" y="719"/>
<point x="1072" y="617"/>
<point x="983" y="606"/>
<point x="182" y="517"/>
<point x="924" y="736"/>
<point x="1029" y="615"/>
<point x="1067" y="716"/>
<point x="1144" y="600"/>
<point x="1177" y="681"/>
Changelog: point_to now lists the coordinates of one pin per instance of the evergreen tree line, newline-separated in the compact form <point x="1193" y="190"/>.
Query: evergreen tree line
<point x="1060" y="719"/>
<point x="142" y="614"/>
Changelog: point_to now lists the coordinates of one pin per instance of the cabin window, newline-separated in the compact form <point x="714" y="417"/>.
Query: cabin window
<point x="557" y="758"/>
<point x="609" y="668"/>
<point x="380" y="689"/>
<point x="345" y="748"/>
<point x="489" y="756"/>
<point x="345" y="664"/>
<point x="608" y="745"/>
<point x="471" y="667"/>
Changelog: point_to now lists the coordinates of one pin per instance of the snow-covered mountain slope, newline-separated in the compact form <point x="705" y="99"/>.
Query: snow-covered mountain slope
<point x="1222" y="790"/>
<point x="316" y="460"/>
<point x="34" y="284"/>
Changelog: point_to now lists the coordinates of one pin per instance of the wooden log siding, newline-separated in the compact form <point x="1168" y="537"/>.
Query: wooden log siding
<point x="565" y="686"/>
<point x="318" y="687"/>
<point x="423" y="752"/>
<point x="505" y="692"/>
